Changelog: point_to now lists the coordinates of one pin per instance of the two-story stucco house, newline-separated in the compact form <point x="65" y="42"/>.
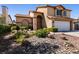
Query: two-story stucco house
<point x="48" y="16"/>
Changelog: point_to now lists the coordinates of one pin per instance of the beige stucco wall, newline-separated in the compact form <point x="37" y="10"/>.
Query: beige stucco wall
<point x="46" y="11"/>
<point x="68" y="13"/>
<point x="24" y="20"/>
<point x="50" y="11"/>
<point x="31" y="14"/>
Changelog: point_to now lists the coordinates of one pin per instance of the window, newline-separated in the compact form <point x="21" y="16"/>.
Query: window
<point x="64" y="13"/>
<point x="59" y="12"/>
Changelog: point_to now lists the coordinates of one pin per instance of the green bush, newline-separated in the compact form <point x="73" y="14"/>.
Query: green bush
<point x="17" y="28"/>
<point x="53" y="29"/>
<point x="30" y="27"/>
<point x="18" y="34"/>
<point x="41" y="33"/>
<point x="4" y="29"/>
<point x="13" y="28"/>
<point x="26" y="27"/>
<point x="19" y="37"/>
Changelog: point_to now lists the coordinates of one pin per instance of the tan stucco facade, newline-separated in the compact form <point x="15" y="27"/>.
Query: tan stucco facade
<point x="24" y="20"/>
<point x="48" y="15"/>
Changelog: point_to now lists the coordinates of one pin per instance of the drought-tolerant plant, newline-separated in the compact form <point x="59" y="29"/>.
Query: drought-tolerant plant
<point x="68" y="44"/>
<point x="27" y="35"/>
<point x="52" y="29"/>
<point x="17" y="28"/>
<point x="26" y="27"/>
<point x="19" y="37"/>
<point x="30" y="27"/>
<point x="13" y="28"/>
<point x="4" y="29"/>
<point x="41" y="33"/>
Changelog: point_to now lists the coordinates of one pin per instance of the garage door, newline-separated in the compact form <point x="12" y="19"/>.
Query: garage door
<point x="62" y="25"/>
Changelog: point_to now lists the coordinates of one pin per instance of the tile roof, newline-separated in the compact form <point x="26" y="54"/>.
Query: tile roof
<point x="35" y="11"/>
<point x="60" y="17"/>
<point x="21" y="15"/>
<point x="52" y="7"/>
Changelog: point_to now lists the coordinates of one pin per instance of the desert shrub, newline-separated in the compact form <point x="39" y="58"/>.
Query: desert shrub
<point x="41" y="33"/>
<point x="13" y="28"/>
<point x="32" y="33"/>
<point x="4" y="29"/>
<point x="27" y="35"/>
<point x="19" y="37"/>
<point x="68" y="44"/>
<point x="30" y="27"/>
<point x="17" y="28"/>
<point x="26" y="27"/>
<point x="53" y="29"/>
<point x="18" y="34"/>
<point x="22" y="28"/>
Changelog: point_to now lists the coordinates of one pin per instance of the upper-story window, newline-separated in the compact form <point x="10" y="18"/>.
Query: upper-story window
<point x="64" y="13"/>
<point x="59" y="12"/>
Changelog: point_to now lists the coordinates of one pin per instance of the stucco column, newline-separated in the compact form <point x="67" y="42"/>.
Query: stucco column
<point x="73" y="26"/>
<point x="34" y="23"/>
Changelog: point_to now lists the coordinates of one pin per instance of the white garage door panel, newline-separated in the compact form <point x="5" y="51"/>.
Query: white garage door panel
<point x="62" y="25"/>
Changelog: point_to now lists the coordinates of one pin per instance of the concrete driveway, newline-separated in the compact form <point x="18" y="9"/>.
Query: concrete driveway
<point x="72" y="33"/>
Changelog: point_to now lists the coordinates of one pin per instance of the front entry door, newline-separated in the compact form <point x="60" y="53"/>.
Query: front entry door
<point x="39" y="22"/>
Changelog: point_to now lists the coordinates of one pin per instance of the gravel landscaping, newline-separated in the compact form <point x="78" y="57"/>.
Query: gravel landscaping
<point x="59" y="44"/>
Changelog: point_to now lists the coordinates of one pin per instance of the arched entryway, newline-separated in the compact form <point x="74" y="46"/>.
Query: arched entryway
<point x="39" y="22"/>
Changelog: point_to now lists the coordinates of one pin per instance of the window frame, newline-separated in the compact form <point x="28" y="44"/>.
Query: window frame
<point x="59" y="12"/>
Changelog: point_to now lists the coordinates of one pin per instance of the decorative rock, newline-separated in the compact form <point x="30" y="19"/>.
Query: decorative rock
<point x="64" y="38"/>
<point x="51" y="36"/>
<point x="55" y="46"/>
<point x="14" y="45"/>
<point x="76" y="51"/>
<point x="52" y="33"/>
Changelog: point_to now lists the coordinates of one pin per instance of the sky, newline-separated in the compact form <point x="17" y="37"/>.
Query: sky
<point x="14" y="9"/>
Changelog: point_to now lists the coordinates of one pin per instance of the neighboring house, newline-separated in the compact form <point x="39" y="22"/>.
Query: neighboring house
<point x="47" y="17"/>
<point x="4" y="17"/>
<point x="76" y="24"/>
